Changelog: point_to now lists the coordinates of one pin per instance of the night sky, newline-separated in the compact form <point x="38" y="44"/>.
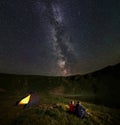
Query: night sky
<point x="58" y="37"/>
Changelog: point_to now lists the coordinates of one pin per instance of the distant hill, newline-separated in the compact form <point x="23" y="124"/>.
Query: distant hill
<point x="103" y="84"/>
<point x="101" y="87"/>
<point x="111" y="70"/>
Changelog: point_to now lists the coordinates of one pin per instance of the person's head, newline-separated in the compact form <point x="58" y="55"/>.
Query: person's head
<point x="72" y="102"/>
<point x="79" y="102"/>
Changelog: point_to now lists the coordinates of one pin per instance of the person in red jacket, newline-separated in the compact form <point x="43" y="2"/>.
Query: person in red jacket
<point x="72" y="107"/>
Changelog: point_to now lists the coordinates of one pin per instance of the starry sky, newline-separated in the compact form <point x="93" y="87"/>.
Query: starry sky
<point x="58" y="37"/>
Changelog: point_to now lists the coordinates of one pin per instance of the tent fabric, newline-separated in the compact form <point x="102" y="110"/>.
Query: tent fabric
<point x="25" y="100"/>
<point x="32" y="100"/>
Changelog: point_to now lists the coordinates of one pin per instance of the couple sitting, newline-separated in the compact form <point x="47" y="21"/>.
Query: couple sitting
<point x="77" y="110"/>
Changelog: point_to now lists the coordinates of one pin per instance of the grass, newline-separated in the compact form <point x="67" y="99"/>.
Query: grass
<point x="55" y="95"/>
<point x="53" y="111"/>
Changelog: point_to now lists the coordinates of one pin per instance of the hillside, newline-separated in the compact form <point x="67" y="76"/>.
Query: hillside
<point x="98" y="87"/>
<point x="98" y="91"/>
<point x="103" y="84"/>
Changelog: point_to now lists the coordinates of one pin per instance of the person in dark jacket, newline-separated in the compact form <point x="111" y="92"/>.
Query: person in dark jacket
<point x="79" y="110"/>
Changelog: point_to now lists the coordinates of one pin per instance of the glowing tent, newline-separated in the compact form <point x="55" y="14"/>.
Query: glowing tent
<point x="25" y="100"/>
<point x="30" y="100"/>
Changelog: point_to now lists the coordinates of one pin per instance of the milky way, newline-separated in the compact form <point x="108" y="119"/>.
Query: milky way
<point x="58" y="37"/>
<point x="60" y="40"/>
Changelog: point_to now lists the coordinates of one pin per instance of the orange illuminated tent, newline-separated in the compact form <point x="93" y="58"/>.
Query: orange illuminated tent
<point x="25" y="100"/>
<point x="29" y="100"/>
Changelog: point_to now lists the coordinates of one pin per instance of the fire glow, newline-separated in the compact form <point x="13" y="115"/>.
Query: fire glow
<point x="25" y="100"/>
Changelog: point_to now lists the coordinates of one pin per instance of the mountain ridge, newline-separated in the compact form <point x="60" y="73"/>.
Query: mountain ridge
<point x="104" y="70"/>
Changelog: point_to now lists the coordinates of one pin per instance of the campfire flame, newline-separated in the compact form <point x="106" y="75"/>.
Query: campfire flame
<point x="25" y="100"/>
